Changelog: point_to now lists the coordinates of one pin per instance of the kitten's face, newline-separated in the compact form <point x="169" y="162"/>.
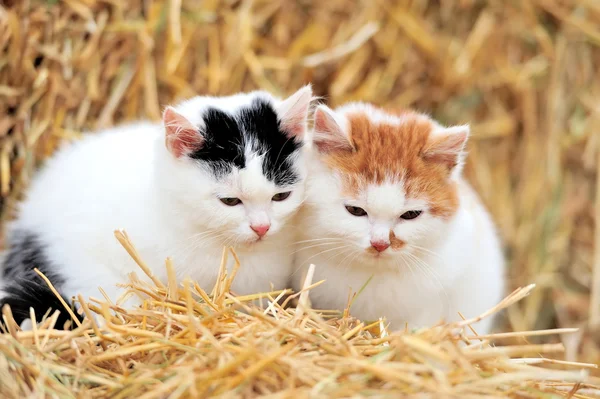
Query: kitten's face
<point x="385" y="184"/>
<point x="240" y="162"/>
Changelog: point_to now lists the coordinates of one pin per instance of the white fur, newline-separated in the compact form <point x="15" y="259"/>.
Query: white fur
<point x="376" y="115"/>
<point x="446" y="267"/>
<point x="125" y="178"/>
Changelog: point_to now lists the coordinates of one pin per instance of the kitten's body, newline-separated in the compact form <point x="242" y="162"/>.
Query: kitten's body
<point x="444" y="261"/>
<point x="167" y="199"/>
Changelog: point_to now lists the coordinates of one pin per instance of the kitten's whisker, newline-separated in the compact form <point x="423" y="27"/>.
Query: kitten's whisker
<point x="412" y="272"/>
<point x="407" y="264"/>
<point x="314" y="246"/>
<point x="420" y="267"/>
<point x="335" y="254"/>
<point x="425" y="267"/>
<point x="198" y="241"/>
<point x="433" y="274"/>
<point x="214" y="235"/>
<point x="319" y="239"/>
<point x="356" y="251"/>
<point x="203" y="234"/>
<point x="306" y="262"/>
<point x="326" y="251"/>
<point x="356" y="254"/>
<point x="232" y="241"/>
<point x="427" y="251"/>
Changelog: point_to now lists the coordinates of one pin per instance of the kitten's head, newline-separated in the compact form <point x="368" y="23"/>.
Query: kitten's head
<point x="235" y="165"/>
<point x="384" y="183"/>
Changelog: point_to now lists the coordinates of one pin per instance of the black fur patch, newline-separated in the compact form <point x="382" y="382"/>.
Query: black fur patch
<point x="23" y="287"/>
<point x="258" y="125"/>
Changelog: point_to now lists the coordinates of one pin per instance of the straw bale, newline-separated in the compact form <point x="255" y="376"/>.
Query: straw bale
<point x="524" y="73"/>
<point x="183" y="342"/>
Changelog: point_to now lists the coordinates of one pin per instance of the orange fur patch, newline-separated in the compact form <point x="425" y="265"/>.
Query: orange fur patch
<point x="383" y="150"/>
<point x="395" y="242"/>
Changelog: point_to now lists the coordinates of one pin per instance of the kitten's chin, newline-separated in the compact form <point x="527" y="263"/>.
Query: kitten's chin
<point x="254" y="241"/>
<point x="385" y="260"/>
<point x="372" y="253"/>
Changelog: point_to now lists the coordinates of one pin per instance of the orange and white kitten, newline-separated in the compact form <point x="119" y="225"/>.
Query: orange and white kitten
<point x="386" y="201"/>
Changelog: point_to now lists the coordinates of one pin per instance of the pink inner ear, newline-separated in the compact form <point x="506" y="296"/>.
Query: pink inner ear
<point x="446" y="149"/>
<point x="182" y="137"/>
<point x="294" y="111"/>
<point x="328" y="135"/>
<point x="294" y="124"/>
<point x="324" y="122"/>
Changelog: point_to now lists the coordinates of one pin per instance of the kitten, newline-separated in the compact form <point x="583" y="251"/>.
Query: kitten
<point x="385" y="198"/>
<point x="218" y="171"/>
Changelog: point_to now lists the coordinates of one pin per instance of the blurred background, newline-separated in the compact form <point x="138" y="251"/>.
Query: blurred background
<point x="525" y="75"/>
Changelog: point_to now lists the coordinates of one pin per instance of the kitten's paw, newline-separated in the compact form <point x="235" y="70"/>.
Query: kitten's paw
<point x="26" y="325"/>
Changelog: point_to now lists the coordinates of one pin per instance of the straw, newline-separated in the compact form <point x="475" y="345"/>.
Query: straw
<point x="178" y="347"/>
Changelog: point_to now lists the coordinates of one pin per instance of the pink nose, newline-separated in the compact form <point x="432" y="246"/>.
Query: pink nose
<point x="380" y="246"/>
<point x="260" y="229"/>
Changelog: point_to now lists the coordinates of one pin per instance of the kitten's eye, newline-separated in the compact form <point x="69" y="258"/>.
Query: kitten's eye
<point x="231" y="201"/>
<point x="410" y="215"/>
<point x="356" y="211"/>
<point x="281" y="196"/>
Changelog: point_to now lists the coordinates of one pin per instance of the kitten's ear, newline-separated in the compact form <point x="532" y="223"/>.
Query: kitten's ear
<point x="293" y="112"/>
<point x="447" y="146"/>
<point x="329" y="136"/>
<point x="182" y="137"/>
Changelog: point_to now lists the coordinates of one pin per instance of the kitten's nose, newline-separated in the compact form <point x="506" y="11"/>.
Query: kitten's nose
<point x="380" y="246"/>
<point x="260" y="229"/>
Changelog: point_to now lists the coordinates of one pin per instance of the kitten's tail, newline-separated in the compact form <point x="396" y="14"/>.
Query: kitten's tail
<point x="31" y="292"/>
<point x="25" y="291"/>
<point x="22" y="288"/>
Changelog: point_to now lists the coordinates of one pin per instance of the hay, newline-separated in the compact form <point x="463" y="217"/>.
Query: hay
<point x="524" y="73"/>
<point x="184" y="343"/>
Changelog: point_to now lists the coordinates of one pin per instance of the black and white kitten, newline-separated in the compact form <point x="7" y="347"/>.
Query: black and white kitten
<point x="217" y="171"/>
